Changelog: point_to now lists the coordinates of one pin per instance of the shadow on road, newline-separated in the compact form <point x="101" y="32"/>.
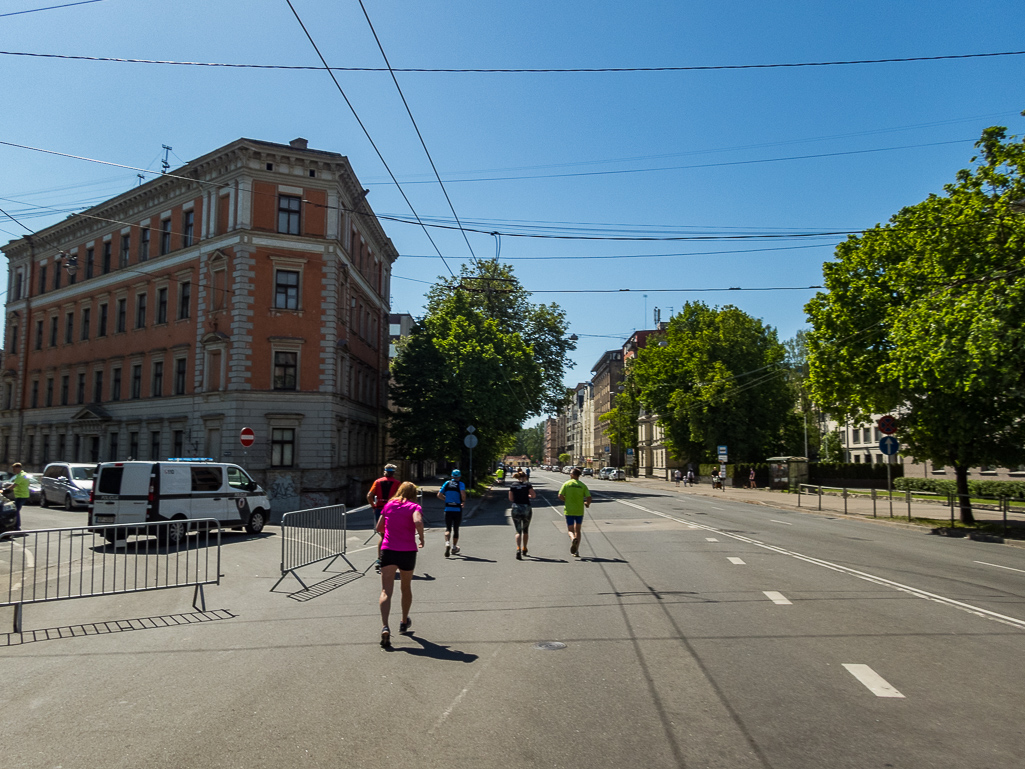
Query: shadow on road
<point x="113" y="626"/>
<point x="434" y="651"/>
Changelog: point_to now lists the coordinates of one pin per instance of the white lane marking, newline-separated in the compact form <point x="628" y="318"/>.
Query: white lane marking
<point x="998" y="566"/>
<point x="737" y="561"/>
<point x="783" y="522"/>
<point x="710" y="539"/>
<point x="718" y="508"/>
<point x="917" y="592"/>
<point x="873" y="681"/>
<point x="776" y="598"/>
<point x="459" y="697"/>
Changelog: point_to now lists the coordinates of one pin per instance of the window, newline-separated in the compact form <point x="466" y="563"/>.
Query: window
<point x="102" y="330"/>
<point x="126" y="247"/>
<point x="8" y="403"/>
<point x="65" y="382"/>
<point x="282" y="447"/>
<point x="80" y="394"/>
<point x="179" y="376"/>
<point x="42" y="279"/>
<point x="165" y="236"/>
<point x="143" y="244"/>
<point x="34" y="397"/>
<point x="136" y="386"/>
<point x="184" y="300"/>
<point x="188" y="228"/>
<point x="49" y="391"/>
<point x="161" y="305"/>
<point x="288" y="214"/>
<point x="154" y="444"/>
<point x="238" y="479"/>
<point x="133" y="445"/>
<point x="115" y="385"/>
<point x="207" y="478"/>
<point x="14" y="340"/>
<point x="179" y="442"/>
<point x="17" y="285"/>
<point x="285" y="370"/>
<point x="286" y="290"/>
<point x="98" y="386"/>
<point x="122" y="313"/>
<point x="158" y="379"/>
<point x="94" y="456"/>
<point x="106" y="257"/>
<point x="90" y="262"/>
<point x="39" y="335"/>
<point x="86" y="312"/>
<point x="56" y="275"/>
<point x="113" y="446"/>
<point x="69" y="327"/>
<point x="53" y="331"/>
<point x="140" y="311"/>
<point x="46" y="449"/>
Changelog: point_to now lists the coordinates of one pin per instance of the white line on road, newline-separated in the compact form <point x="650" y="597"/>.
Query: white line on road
<point x="873" y="681"/>
<point x="919" y="593"/>
<point x="459" y="697"/>
<point x="710" y="539"/>
<point x="998" y="566"/>
<point x="776" y="598"/>
<point x="783" y="522"/>
<point x="737" y="561"/>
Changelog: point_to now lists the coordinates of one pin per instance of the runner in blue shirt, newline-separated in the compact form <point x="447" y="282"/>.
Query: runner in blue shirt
<point x="453" y="494"/>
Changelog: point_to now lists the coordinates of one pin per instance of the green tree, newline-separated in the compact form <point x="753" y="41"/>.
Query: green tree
<point x="717" y="376"/>
<point x="925" y="316"/>
<point x="797" y="365"/>
<point x="832" y="447"/>
<point x="564" y="458"/>
<point x="621" y="420"/>
<point x="460" y="368"/>
<point x="531" y="442"/>
<point x="492" y="289"/>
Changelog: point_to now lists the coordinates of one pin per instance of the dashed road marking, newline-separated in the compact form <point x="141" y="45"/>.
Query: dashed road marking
<point x="783" y="522"/>
<point x="711" y="539"/>
<point x="737" y="561"/>
<point x="874" y="682"/>
<point x="776" y="598"/>
<point x="998" y="566"/>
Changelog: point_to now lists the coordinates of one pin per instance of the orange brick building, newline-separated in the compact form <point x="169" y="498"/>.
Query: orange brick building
<point x="249" y="288"/>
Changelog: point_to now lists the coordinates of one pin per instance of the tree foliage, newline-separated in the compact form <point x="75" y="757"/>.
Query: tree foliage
<point x="716" y="377"/>
<point x="530" y="441"/>
<point x="926" y="316"/>
<point x="620" y="422"/>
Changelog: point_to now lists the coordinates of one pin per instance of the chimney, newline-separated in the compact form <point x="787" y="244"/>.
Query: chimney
<point x="299" y="144"/>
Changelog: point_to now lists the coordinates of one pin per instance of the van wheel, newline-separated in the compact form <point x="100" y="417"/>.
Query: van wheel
<point x="68" y="504"/>
<point x="175" y="532"/>
<point x="257" y="520"/>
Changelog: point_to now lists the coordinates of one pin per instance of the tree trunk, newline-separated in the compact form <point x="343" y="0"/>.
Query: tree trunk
<point x="963" y="500"/>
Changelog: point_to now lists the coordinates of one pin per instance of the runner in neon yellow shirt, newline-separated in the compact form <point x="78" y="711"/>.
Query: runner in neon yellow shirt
<point x="19" y="483"/>
<point x="576" y="497"/>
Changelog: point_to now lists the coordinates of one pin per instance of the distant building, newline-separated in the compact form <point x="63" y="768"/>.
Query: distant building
<point x="247" y="289"/>
<point x="606" y="375"/>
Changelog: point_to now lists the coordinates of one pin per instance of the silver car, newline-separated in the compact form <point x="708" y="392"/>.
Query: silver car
<point x="68" y="484"/>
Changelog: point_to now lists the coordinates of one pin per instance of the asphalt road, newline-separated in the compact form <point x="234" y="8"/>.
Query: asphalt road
<point x="698" y="632"/>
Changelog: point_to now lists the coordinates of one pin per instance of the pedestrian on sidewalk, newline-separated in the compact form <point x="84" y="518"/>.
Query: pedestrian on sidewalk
<point x="678" y="476"/>
<point x="400" y="525"/>
<point x="576" y="497"/>
<point x="751" y="477"/>
<point x="453" y="494"/>
<point x="18" y="484"/>
<point x="690" y="478"/>
<point x="381" y="490"/>
<point x="520" y="494"/>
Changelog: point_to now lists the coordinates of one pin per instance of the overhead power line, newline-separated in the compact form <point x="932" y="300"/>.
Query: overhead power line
<point x="515" y="70"/>
<point x="49" y="8"/>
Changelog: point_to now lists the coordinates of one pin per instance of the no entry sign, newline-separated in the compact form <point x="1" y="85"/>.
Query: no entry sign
<point x="246" y="437"/>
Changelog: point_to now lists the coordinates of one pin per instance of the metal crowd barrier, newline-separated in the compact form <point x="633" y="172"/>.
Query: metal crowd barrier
<point x="311" y="536"/>
<point x="45" y="565"/>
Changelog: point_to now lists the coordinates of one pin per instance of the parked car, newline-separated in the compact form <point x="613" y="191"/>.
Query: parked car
<point x="68" y="484"/>
<point x="587" y="471"/>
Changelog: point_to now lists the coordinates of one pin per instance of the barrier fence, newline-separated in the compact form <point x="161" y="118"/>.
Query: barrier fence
<point x="43" y="565"/>
<point x="311" y="536"/>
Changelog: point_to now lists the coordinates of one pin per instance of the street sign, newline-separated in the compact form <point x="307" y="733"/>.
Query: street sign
<point x="887" y="424"/>
<point x="888" y="445"/>
<point x="246" y="437"/>
<point x="470" y="441"/>
<point x="471" y="429"/>
<point x="722" y="451"/>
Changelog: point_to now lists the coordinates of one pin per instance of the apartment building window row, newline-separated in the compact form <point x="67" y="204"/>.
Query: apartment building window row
<point x="135" y="391"/>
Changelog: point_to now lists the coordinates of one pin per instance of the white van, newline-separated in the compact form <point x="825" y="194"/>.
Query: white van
<point x="177" y="490"/>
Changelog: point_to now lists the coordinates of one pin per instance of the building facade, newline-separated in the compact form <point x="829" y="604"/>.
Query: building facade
<point x="249" y="288"/>
<point x="606" y="376"/>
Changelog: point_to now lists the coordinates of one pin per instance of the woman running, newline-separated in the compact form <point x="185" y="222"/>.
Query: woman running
<point x="520" y="494"/>
<point x="400" y="524"/>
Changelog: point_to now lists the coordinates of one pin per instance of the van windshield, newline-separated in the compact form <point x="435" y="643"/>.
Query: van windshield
<point x="110" y="480"/>
<point x="83" y="473"/>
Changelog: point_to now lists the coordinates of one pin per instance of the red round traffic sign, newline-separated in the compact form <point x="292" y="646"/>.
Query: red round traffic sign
<point x="246" y="437"/>
<point x="887" y="424"/>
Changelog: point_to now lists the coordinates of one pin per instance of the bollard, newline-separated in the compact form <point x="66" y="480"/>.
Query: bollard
<point x="907" y="496"/>
<point x="1005" y="503"/>
<point x="874" y="502"/>
<point x="845" y="500"/>
<point x="950" y="499"/>
<point x="820" y="497"/>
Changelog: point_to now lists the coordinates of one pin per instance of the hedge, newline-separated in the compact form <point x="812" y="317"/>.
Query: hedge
<point x="850" y="471"/>
<point x="1011" y="489"/>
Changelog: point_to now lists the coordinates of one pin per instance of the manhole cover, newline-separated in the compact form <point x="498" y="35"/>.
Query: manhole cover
<point x="549" y="646"/>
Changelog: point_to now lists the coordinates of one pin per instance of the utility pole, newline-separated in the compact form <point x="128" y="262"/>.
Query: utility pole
<point x="165" y="166"/>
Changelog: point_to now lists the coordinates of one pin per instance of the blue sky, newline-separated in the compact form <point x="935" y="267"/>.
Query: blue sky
<point x="711" y="153"/>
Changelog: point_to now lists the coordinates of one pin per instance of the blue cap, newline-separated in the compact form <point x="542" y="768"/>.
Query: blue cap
<point x="456" y="473"/>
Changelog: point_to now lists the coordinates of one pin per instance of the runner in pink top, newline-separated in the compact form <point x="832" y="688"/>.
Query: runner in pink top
<point x="401" y="524"/>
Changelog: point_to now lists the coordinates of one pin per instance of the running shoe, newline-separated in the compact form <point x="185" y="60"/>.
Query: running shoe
<point x="455" y="549"/>
<point x="524" y="552"/>
<point x="385" y="637"/>
<point x="574" y="547"/>
<point x="447" y="549"/>
<point x="377" y="565"/>
<point x="519" y="556"/>
<point x="404" y="625"/>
